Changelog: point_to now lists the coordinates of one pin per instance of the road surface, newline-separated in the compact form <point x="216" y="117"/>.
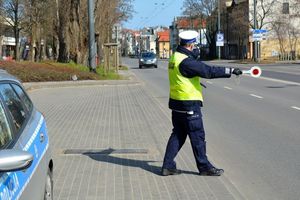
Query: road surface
<point x="252" y="126"/>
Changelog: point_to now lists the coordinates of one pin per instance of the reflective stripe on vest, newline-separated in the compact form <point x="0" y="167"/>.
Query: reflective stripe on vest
<point x="182" y="88"/>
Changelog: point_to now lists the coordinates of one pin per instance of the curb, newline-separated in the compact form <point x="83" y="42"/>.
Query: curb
<point x="130" y="79"/>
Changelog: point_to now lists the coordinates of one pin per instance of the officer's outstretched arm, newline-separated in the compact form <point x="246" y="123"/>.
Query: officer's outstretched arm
<point x="191" y="68"/>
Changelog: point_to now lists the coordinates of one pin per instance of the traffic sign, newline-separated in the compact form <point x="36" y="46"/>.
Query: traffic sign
<point x="220" y="40"/>
<point x="259" y="34"/>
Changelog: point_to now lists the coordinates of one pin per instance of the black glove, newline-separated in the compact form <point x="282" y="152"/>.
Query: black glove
<point x="237" y="71"/>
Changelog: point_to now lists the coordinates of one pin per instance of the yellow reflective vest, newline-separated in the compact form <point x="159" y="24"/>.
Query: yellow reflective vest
<point x="182" y="88"/>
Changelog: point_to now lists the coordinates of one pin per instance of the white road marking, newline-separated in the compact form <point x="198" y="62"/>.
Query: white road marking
<point x="254" y="95"/>
<point x="228" y="88"/>
<point x="295" y="107"/>
<point x="209" y="82"/>
<point x="275" y="80"/>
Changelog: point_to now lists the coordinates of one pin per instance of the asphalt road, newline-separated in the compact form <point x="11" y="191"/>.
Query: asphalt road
<point x="287" y="72"/>
<point x="252" y="126"/>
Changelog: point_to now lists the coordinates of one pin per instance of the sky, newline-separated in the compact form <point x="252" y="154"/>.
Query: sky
<point x="154" y="13"/>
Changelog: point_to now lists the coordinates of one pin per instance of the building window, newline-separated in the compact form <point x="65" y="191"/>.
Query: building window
<point x="285" y="8"/>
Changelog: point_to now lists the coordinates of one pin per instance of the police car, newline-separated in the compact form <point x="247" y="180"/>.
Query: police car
<point x="25" y="161"/>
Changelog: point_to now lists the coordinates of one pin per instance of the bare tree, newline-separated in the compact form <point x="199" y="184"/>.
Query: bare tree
<point x="286" y="27"/>
<point x="296" y="25"/>
<point x="205" y="9"/>
<point x="72" y="31"/>
<point x="280" y="30"/>
<point x="113" y="11"/>
<point x="63" y="24"/>
<point x="293" y="36"/>
<point x="238" y="26"/>
<point x="264" y="11"/>
<point x="12" y="11"/>
<point x="194" y="11"/>
<point x="39" y="25"/>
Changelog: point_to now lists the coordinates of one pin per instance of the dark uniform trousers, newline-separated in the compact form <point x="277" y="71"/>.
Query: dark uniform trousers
<point x="187" y="124"/>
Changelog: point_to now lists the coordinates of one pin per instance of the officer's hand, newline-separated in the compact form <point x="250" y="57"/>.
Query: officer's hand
<point x="196" y="53"/>
<point x="237" y="71"/>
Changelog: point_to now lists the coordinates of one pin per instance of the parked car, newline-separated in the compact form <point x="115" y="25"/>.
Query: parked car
<point x="26" y="165"/>
<point x="147" y="59"/>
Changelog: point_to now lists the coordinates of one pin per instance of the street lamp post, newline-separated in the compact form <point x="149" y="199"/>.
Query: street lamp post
<point x="219" y="29"/>
<point x="92" y="46"/>
<point x="255" y="27"/>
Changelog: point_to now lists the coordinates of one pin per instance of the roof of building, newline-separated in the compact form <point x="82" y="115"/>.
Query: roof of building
<point x="163" y="36"/>
<point x="133" y="32"/>
<point x="189" y="23"/>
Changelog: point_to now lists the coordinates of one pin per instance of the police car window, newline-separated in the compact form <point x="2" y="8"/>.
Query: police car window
<point x="14" y="105"/>
<point x="5" y="133"/>
<point x="23" y="96"/>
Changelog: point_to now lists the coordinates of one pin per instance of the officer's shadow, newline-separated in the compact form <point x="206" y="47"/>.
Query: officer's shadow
<point x="105" y="156"/>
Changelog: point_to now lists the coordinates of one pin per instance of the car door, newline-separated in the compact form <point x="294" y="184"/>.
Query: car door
<point x="9" y="182"/>
<point x="26" y="127"/>
<point x="34" y="140"/>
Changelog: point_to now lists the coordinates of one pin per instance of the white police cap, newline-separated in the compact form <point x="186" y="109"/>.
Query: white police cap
<point x="187" y="37"/>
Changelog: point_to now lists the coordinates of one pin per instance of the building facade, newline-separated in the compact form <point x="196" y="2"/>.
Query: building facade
<point x="277" y="20"/>
<point x="163" y="44"/>
<point x="283" y="26"/>
<point x="182" y="23"/>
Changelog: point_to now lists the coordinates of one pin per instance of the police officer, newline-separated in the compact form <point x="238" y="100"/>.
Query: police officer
<point x="185" y="102"/>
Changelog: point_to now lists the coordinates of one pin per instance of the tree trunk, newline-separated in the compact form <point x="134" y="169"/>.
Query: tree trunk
<point x="73" y="31"/>
<point x="16" y="52"/>
<point x="63" y="54"/>
<point x="73" y="27"/>
<point x="33" y="42"/>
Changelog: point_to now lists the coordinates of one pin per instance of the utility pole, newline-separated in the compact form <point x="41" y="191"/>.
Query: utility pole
<point x="255" y="27"/>
<point x="219" y="28"/>
<point x="117" y="47"/>
<point x="92" y="46"/>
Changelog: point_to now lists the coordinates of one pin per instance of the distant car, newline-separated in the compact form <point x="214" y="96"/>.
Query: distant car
<point x="25" y="161"/>
<point x="147" y="59"/>
<point x="132" y="56"/>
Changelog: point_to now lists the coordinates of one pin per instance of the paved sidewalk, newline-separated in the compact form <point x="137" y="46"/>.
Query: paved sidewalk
<point x="108" y="142"/>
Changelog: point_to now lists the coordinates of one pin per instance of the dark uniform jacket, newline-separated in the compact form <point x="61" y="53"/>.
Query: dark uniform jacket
<point x="191" y="67"/>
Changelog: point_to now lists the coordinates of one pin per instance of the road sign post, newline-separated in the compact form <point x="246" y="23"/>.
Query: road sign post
<point x="92" y="44"/>
<point x="220" y="40"/>
<point x="219" y="43"/>
<point x="257" y="36"/>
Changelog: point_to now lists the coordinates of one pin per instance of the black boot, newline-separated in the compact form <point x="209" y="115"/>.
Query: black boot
<point x="167" y="172"/>
<point x="211" y="172"/>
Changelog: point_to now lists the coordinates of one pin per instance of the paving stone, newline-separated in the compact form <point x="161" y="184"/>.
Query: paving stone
<point x="114" y="117"/>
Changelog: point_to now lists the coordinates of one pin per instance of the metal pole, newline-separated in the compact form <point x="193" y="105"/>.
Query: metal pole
<point x="92" y="49"/>
<point x="219" y="28"/>
<point x="255" y="27"/>
<point x="117" y="48"/>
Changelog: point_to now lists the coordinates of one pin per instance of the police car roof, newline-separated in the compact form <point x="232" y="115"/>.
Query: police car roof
<point x="5" y="76"/>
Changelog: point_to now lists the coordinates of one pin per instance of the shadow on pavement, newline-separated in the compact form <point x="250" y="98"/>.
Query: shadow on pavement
<point x="105" y="156"/>
<point x="282" y="86"/>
